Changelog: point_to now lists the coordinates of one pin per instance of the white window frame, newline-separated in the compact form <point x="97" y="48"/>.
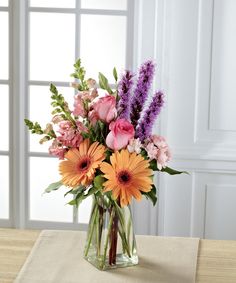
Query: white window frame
<point x="19" y="83"/>
<point x="142" y="16"/>
<point x="8" y="153"/>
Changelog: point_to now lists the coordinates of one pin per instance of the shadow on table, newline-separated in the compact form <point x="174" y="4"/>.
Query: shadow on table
<point x="148" y="271"/>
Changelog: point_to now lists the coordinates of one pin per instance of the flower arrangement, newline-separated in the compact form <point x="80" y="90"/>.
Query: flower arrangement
<point x="107" y="149"/>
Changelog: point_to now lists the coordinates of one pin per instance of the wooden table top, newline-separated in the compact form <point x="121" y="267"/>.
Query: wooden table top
<point x="216" y="259"/>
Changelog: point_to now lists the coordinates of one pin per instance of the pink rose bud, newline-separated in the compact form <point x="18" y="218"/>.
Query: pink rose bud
<point x="105" y="108"/>
<point x="120" y="135"/>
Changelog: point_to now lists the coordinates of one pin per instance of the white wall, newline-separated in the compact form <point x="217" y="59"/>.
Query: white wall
<point x="194" y="43"/>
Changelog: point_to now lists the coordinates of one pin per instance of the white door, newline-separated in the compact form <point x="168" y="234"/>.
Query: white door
<point x="200" y="119"/>
<point x="194" y="45"/>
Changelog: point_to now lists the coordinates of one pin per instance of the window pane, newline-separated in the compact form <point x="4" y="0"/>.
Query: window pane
<point x="103" y="44"/>
<point x="4" y="3"/>
<point x="4" y="117"/>
<point x="104" y="4"/>
<point x="4" y="187"/>
<point x="43" y="105"/>
<point x="4" y="45"/>
<point x="53" y="3"/>
<point x="52" y="46"/>
<point x="85" y="210"/>
<point x="51" y="206"/>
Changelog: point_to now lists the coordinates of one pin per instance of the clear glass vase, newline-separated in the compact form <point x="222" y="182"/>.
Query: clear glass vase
<point x="110" y="239"/>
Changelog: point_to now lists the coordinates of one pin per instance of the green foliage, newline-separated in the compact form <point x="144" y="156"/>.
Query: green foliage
<point x="81" y="195"/>
<point x="79" y="74"/>
<point x="35" y="128"/>
<point x="153" y="166"/>
<point x="103" y="82"/>
<point x="98" y="132"/>
<point x="53" y="187"/>
<point x="152" y="195"/>
<point x="173" y="171"/>
<point x="115" y="74"/>
<point x="98" y="182"/>
<point x="60" y="105"/>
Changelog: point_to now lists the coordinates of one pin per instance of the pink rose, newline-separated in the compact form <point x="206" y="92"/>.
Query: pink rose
<point x="121" y="132"/>
<point x="105" y="108"/>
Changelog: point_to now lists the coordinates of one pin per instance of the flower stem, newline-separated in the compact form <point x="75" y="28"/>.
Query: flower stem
<point x="108" y="236"/>
<point x="92" y="225"/>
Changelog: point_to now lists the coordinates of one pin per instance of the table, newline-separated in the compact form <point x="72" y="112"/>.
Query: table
<point x="216" y="259"/>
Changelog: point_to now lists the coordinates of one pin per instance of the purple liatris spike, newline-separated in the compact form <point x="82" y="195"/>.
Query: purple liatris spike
<point x="145" y="126"/>
<point x="144" y="82"/>
<point x="124" y="91"/>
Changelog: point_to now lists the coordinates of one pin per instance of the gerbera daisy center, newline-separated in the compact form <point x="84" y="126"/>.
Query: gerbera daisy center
<point x="124" y="177"/>
<point x="84" y="164"/>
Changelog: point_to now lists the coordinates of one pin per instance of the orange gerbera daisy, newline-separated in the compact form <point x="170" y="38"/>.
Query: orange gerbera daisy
<point x="81" y="163"/>
<point x="127" y="175"/>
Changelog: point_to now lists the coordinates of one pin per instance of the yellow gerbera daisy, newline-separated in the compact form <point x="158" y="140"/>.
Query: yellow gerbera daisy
<point x="127" y="175"/>
<point x="81" y="163"/>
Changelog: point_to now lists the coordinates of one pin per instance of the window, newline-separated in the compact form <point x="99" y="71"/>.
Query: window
<point x="55" y="34"/>
<point x="4" y="113"/>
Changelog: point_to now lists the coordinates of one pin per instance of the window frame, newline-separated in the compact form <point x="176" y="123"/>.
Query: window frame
<point x="8" y="222"/>
<point x="19" y="83"/>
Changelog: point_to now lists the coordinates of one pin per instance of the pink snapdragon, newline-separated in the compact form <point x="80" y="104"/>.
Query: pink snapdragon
<point x="157" y="148"/>
<point x="69" y="136"/>
<point x="93" y="117"/>
<point x="79" y="106"/>
<point x="57" y="119"/>
<point x="81" y="127"/>
<point x="79" y="100"/>
<point x="57" y="150"/>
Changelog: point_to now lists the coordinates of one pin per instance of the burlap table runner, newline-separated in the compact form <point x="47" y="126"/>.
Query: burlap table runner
<point x="57" y="257"/>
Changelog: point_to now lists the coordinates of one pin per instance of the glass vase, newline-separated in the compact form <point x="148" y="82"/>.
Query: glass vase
<point x="110" y="238"/>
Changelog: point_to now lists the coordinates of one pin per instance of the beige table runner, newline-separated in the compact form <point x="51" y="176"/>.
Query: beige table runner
<point x="57" y="257"/>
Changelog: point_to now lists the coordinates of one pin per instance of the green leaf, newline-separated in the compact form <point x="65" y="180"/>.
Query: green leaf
<point x="153" y="166"/>
<point x="173" y="171"/>
<point x="103" y="82"/>
<point x="68" y="192"/>
<point x="98" y="182"/>
<point x="53" y="187"/>
<point x="151" y="195"/>
<point x="72" y="202"/>
<point x="115" y="74"/>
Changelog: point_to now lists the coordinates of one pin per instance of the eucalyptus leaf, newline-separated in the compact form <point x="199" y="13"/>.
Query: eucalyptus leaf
<point x="53" y="187"/>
